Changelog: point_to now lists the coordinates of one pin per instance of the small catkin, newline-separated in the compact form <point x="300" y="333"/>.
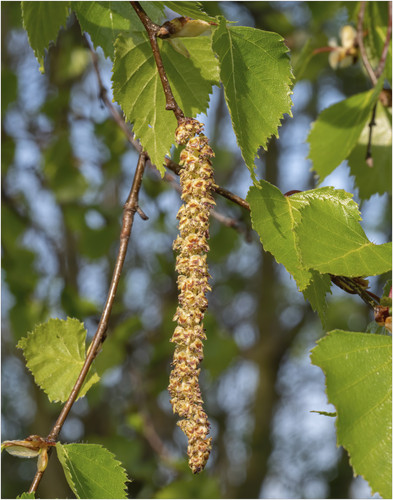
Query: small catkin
<point x="196" y="180"/>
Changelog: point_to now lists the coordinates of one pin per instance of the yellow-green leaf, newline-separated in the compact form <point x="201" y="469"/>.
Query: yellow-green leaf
<point x="55" y="353"/>
<point x="358" y="370"/>
<point x="92" y="471"/>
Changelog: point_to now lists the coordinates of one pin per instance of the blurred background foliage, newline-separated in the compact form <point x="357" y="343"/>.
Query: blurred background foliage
<point x="66" y="172"/>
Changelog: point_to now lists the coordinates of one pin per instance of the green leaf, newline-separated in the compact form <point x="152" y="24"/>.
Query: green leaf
<point x="331" y="239"/>
<point x="336" y="131"/>
<point x="256" y="74"/>
<point x="274" y="217"/>
<point x="26" y="495"/>
<point x="377" y="179"/>
<point x="138" y="90"/>
<point x="316" y="292"/>
<point x="42" y="21"/>
<point x="316" y="230"/>
<point x="105" y="20"/>
<point x="189" y="9"/>
<point x="373" y="327"/>
<point x="92" y="471"/>
<point x="358" y="374"/>
<point x="55" y="353"/>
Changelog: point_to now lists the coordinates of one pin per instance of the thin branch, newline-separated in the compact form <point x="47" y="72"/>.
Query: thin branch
<point x="223" y="219"/>
<point x="362" y="49"/>
<point x="152" y="31"/>
<point x="130" y="208"/>
<point x="350" y="285"/>
<point x="382" y="61"/>
<point x="175" y="167"/>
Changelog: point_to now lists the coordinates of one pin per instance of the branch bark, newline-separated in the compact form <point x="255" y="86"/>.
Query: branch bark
<point x="152" y="31"/>
<point x="130" y="207"/>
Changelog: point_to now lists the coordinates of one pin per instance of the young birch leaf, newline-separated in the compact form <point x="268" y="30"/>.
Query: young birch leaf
<point x="256" y="74"/>
<point x="274" y="217"/>
<point x="316" y="292"/>
<point x="378" y="179"/>
<point x="336" y="131"/>
<point x="358" y="370"/>
<point x="138" y="90"/>
<point x="331" y="239"/>
<point x="105" y="20"/>
<point x="26" y="495"/>
<point x="55" y="353"/>
<point x="92" y="471"/>
<point x="42" y="21"/>
<point x="189" y="9"/>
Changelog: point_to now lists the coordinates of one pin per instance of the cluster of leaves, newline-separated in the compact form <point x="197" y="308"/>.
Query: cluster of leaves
<point x="314" y="234"/>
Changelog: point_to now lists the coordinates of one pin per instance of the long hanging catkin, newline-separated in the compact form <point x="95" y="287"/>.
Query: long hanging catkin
<point x="196" y="179"/>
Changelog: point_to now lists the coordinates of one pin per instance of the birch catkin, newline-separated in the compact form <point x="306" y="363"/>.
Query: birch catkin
<point x="196" y="179"/>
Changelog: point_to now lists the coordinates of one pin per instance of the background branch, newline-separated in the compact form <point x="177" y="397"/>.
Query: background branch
<point x="130" y="208"/>
<point x="374" y="76"/>
<point x="362" y="48"/>
<point x="382" y="61"/>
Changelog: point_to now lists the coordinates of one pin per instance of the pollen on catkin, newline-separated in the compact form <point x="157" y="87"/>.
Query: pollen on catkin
<point x="196" y="180"/>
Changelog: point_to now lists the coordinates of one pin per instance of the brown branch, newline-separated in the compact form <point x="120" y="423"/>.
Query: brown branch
<point x="152" y="31"/>
<point x="362" y="49"/>
<point x="352" y="285"/>
<point x="219" y="190"/>
<point x="130" y="207"/>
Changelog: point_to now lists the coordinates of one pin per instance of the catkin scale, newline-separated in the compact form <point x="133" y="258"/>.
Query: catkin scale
<point x="196" y="180"/>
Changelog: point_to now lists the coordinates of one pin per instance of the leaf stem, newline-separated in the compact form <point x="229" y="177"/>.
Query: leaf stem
<point x="130" y="207"/>
<point x="152" y="31"/>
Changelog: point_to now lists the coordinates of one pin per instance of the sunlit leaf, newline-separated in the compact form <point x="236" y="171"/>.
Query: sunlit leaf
<point x="316" y="292"/>
<point x="105" y="20"/>
<point x="42" y="21"/>
<point x="256" y="74"/>
<point x="358" y="370"/>
<point x="138" y="90"/>
<point x="274" y="217"/>
<point x="190" y="9"/>
<point x="55" y="353"/>
<point x="92" y="471"/>
<point x="26" y="495"/>
<point x="316" y="230"/>
<point x="331" y="239"/>
<point x="336" y="131"/>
